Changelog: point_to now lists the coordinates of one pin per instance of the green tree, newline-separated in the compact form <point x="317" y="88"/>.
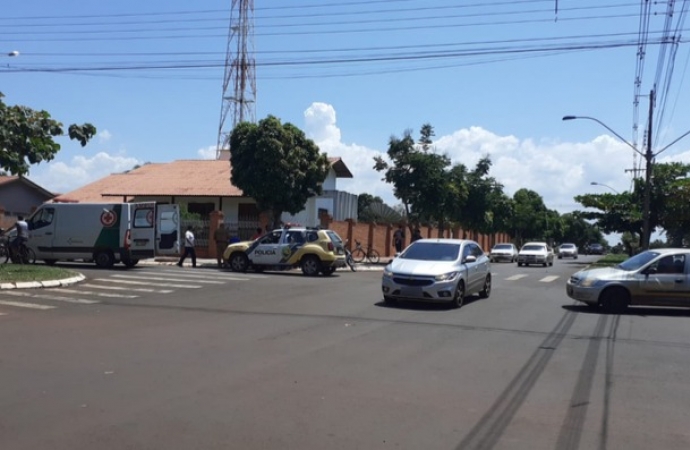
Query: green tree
<point x="530" y="215"/>
<point x="622" y="213"/>
<point x="27" y="137"/>
<point x="277" y="165"/>
<point x="422" y="179"/>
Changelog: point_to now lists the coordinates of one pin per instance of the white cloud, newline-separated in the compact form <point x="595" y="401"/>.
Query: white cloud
<point x="320" y="124"/>
<point x="207" y="152"/>
<point x="558" y="171"/>
<point x="60" y="177"/>
<point x="104" y="136"/>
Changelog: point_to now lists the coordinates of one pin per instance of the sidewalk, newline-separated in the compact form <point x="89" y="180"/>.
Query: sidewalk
<point x="205" y="263"/>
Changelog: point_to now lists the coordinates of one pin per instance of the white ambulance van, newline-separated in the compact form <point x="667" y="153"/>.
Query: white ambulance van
<point x="104" y="233"/>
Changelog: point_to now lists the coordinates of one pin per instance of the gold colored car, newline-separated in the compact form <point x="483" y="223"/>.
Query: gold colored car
<point x="313" y="250"/>
<point x="658" y="277"/>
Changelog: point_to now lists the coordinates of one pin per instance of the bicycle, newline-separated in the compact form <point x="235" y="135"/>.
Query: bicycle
<point x="24" y="255"/>
<point x="359" y="254"/>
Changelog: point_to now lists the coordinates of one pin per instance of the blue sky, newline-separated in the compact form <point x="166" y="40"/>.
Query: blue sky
<point x="493" y="77"/>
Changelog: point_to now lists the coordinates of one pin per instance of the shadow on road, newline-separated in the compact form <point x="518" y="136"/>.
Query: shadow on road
<point x="424" y="306"/>
<point x="632" y="311"/>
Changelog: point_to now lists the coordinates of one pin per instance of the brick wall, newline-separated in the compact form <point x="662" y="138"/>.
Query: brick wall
<point x="380" y="237"/>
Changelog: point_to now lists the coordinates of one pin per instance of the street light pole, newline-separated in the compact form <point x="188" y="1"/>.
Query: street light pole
<point x="648" y="156"/>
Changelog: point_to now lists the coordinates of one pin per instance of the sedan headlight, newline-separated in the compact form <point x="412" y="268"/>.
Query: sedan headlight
<point x="446" y="276"/>
<point x="387" y="272"/>
<point x="589" y="282"/>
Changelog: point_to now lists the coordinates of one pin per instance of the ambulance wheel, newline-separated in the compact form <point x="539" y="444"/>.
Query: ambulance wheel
<point x="130" y="262"/>
<point x="104" y="259"/>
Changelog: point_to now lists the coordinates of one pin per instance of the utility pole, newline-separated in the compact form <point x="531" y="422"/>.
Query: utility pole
<point x="649" y="157"/>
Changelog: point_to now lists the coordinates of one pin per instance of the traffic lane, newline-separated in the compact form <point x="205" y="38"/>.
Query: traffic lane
<point x="138" y="379"/>
<point x="373" y="371"/>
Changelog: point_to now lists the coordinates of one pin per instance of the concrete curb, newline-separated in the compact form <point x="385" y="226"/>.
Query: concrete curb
<point x="42" y="284"/>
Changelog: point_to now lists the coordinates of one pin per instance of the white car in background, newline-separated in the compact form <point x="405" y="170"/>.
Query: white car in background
<point x="535" y="253"/>
<point x="503" y="252"/>
<point x="567" y="251"/>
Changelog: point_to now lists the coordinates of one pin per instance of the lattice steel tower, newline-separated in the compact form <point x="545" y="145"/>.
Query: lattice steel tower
<point x="239" y="80"/>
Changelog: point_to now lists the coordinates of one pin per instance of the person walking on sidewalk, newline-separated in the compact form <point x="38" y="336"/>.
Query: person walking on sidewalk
<point x="188" y="247"/>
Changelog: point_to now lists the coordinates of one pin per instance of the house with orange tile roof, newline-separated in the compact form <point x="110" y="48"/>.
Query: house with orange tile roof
<point x="204" y="186"/>
<point x="19" y="196"/>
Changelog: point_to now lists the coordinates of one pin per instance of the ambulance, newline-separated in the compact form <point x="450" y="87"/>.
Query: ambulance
<point x="104" y="233"/>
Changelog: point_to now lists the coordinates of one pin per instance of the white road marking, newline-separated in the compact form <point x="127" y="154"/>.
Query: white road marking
<point x="516" y="277"/>
<point x="194" y="272"/>
<point x="183" y="286"/>
<point x="97" y="294"/>
<point x="56" y="298"/>
<point x="25" y="305"/>
<point x="180" y="276"/>
<point x="549" y="279"/>
<point x="122" y="288"/>
<point x="134" y="277"/>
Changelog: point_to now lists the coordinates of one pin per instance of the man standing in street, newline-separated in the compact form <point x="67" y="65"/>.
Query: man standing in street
<point x="399" y="239"/>
<point x="221" y="236"/>
<point x="188" y="247"/>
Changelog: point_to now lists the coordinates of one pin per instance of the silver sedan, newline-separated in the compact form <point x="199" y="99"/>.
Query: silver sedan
<point x="438" y="270"/>
<point x="655" y="278"/>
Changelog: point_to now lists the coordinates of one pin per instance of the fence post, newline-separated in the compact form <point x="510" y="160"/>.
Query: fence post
<point x="215" y="222"/>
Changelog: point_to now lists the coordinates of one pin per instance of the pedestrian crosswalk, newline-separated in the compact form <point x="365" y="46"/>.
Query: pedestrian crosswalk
<point x="113" y="286"/>
<point x="154" y="281"/>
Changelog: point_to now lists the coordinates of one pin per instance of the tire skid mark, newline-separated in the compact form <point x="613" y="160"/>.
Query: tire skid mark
<point x="608" y="382"/>
<point x="571" y="430"/>
<point x="488" y="431"/>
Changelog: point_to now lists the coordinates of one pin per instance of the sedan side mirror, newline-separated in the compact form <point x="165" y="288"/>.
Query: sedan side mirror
<point x="470" y="259"/>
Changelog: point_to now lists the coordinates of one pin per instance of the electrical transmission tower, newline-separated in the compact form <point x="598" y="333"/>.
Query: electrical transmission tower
<point x="239" y="80"/>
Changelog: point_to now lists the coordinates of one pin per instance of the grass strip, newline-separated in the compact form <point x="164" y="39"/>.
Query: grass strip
<point x="11" y="273"/>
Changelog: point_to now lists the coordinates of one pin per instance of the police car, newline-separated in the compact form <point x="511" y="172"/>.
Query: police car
<point x="311" y="249"/>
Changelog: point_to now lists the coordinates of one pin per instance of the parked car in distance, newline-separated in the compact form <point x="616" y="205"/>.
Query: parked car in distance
<point x="595" y="249"/>
<point x="567" y="250"/>
<point x="535" y="253"/>
<point x="657" y="277"/>
<point x="438" y="270"/>
<point x="503" y="252"/>
<point x="311" y="249"/>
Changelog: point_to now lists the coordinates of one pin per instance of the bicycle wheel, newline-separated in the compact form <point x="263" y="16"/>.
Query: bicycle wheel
<point x="4" y="254"/>
<point x="358" y="255"/>
<point x="30" y="256"/>
<point x="373" y="256"/>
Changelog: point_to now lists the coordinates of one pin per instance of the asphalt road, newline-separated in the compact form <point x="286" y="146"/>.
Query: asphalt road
<point x="204" y="359"/>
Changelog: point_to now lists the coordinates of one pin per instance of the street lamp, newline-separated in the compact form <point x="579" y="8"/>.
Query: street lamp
<point x="594" y="183"/>
<point x="648" y="155"/>
<point x="649" y="158"/>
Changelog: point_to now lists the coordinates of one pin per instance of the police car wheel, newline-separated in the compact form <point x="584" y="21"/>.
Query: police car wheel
<point x="239" y="262"/>
<point x="311" y="266"/>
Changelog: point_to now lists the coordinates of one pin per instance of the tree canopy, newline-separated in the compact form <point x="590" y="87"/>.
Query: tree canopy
<point x="27" y="137"/>
<point x="277" y="165"/>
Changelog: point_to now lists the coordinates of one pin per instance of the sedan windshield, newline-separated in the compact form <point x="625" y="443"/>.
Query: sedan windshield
<point x="532" y="248"/>
<point x="502" y="247"/>
<point x="637" y="261"/>
<point x="431" y="251"/>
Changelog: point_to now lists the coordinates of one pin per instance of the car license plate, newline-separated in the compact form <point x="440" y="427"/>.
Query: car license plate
<point x="411" y="291"/>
